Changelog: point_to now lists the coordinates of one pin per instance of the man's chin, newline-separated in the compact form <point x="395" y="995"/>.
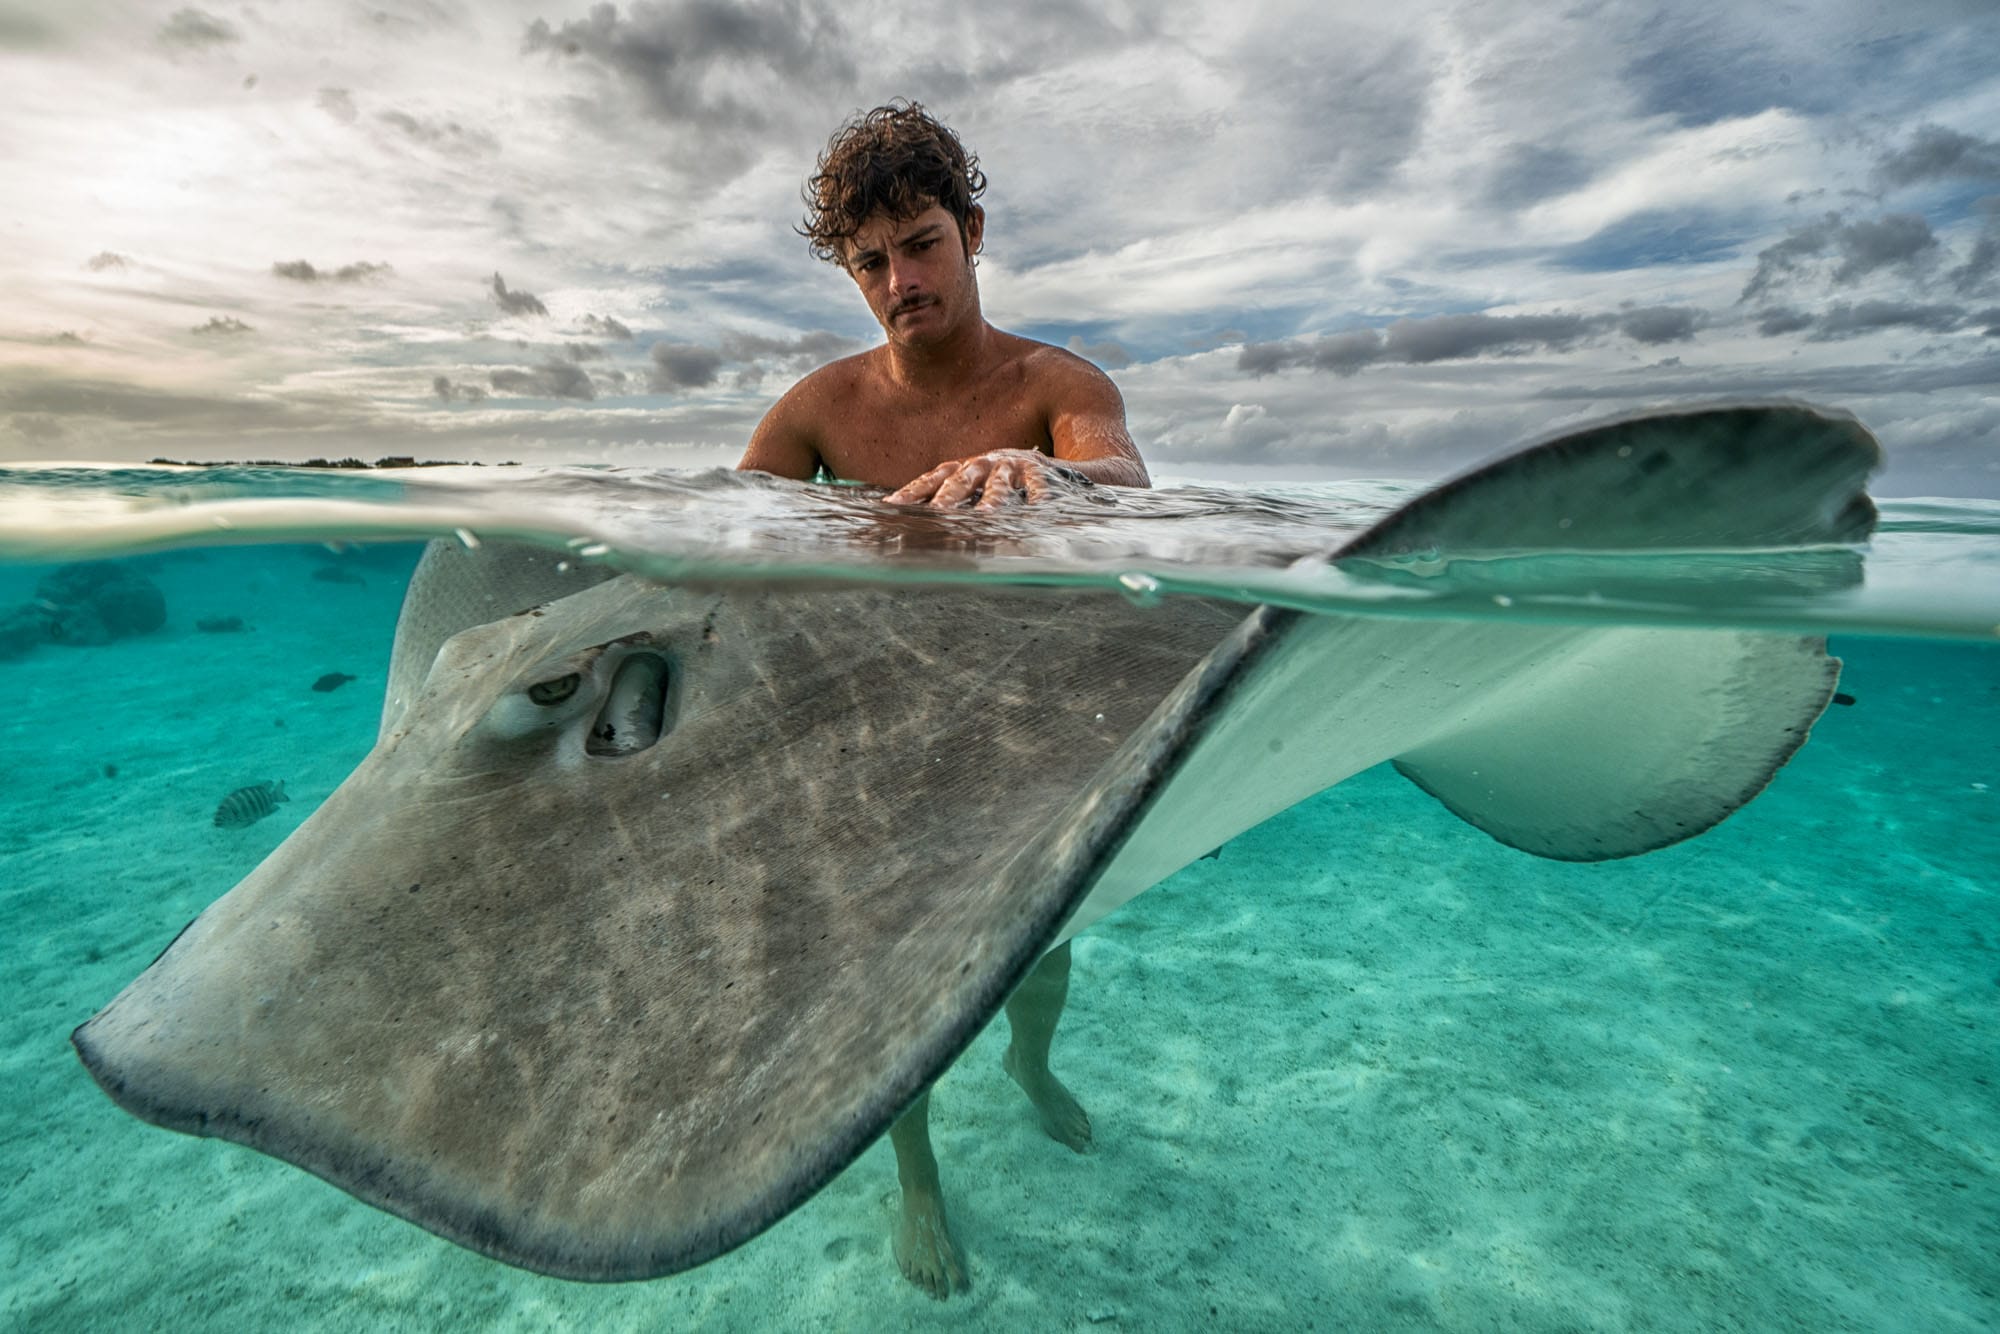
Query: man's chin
<point x="917" y="327"/>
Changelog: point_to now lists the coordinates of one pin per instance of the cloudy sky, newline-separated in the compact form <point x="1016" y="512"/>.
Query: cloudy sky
<point x="1308" y="240"/>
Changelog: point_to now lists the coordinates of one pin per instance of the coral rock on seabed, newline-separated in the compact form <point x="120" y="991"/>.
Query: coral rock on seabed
<point x="93" y="602"/>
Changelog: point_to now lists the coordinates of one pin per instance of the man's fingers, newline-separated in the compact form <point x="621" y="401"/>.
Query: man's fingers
<point x="921" y="489"/>
<point x="1036" y="483"/>
<point x="958" y="488"/>
<point x="994" y="478"/>
<point x="1001" y="483"/>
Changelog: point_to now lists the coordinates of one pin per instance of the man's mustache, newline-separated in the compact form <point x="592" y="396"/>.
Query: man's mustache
<point x="913" y="303"/>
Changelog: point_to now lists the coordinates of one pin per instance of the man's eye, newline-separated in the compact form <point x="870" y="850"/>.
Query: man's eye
<point x="924" y="245"/>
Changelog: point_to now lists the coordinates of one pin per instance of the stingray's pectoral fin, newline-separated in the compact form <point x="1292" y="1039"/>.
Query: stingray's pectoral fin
<point x="1580" y="742"/>
<point x="1632" y="739"/>
<point x="1635" y="740"/>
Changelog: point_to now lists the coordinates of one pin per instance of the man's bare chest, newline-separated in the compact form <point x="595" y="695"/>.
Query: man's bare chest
<point x="890" y="444"/>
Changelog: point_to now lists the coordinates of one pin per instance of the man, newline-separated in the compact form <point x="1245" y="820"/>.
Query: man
<point x="951" y="412"/>
<point x="949" y="409"/>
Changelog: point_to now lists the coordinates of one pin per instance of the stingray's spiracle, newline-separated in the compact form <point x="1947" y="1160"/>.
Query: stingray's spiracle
<point x="635" y="708"/>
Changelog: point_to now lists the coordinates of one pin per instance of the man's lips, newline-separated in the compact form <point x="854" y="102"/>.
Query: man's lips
<point x="925" y="304"/>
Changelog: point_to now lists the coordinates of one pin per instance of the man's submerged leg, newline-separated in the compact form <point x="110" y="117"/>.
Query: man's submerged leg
<point x="924" y="1251"/>
<point x="1032" y="1013"/>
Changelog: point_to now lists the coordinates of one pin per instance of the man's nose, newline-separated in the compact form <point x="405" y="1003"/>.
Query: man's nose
<point x="903" y="277"/>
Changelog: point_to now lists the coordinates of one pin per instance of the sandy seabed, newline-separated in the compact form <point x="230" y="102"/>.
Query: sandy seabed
<point x="1365" y="1070"/>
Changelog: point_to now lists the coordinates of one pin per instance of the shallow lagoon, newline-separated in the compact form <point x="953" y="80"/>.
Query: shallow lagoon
<point x="1366" y="1068"/>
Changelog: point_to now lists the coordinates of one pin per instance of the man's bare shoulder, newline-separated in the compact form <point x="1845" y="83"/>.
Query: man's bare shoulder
<point x="836" y="379"/>
<point x="792" y="440"/>
<point x="1062" y="376"/>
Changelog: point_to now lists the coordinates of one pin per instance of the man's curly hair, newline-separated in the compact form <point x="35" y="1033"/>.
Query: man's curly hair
<point x="897" y="159"/>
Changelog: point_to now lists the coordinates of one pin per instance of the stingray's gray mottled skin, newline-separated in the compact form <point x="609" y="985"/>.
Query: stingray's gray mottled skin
<point x="652" y="908"/>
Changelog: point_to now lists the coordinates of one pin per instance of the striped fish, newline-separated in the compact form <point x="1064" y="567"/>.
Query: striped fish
<point x="248" y="805"/>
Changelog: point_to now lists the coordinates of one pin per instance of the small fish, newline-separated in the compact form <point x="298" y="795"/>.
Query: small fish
<point x="221" y="625"/>
<point x="1843" y="698"/>
<point x="333" y="574"/>
<point x="247" y="805"/>
<point x="331" y="681"/>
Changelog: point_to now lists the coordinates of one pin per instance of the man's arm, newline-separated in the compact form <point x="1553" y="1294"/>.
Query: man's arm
<point x="1087" y="425"/>
<point x="1087" y="438"/>
<point x="783" y="443"/>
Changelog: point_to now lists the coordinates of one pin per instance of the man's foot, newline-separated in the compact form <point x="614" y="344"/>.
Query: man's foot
<point x="1062" y="1116"/>
<point x="924" y="1250"/>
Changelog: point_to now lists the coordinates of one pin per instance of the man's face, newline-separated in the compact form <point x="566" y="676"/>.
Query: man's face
<point x="916" y="273"/>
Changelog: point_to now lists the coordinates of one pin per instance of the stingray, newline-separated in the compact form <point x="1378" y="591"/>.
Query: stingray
<point x="653" y="906"/>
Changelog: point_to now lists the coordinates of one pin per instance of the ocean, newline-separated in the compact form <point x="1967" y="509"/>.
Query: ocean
<point x="1364" y="1068"/>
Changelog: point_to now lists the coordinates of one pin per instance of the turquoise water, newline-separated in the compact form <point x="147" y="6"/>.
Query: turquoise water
<point x="1365" y="1069"/>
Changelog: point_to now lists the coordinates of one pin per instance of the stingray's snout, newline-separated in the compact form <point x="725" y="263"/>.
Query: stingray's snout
<point x="100" y="1058"/>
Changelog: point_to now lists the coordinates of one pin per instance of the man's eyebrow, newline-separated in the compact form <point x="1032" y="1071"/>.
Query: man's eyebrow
<point x="860" y="253"/>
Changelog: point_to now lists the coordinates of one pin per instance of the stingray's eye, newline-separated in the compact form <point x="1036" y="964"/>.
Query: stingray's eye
<point x="555" y="690"/>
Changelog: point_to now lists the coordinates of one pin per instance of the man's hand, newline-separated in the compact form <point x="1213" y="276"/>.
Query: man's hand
<point x="996" y="478"/>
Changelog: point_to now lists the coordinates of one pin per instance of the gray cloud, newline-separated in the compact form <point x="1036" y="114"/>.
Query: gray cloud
<point x="1897" y="238"/>
<point x="1347" y="352"/>
<point x="1342" y="353"/>
<point x="1660" y="324"/>
<point x="676" y="57"/>
<point x="302" y="271"/>
<point x="1458" y="337"/>
<point x="446" y="136"/>
<point x="551" y="379"/>
<point x="467" y="393"/>
<point x="1936" y="153"/>
<point x="1843" y="320"/>
<point x="197" y="30"/>
<point x="1445" y="337"/>
<point x="339" y="104"/>
<point x="606" y="327"/>
<point x="1776" y="263"/>
<point x="416" y="16"/>
<point x="1783" y="320"/>
<point x="683" y="366"/>
<point x="516" y="303"/>
<point x="1861" y="248"/>
<point x="222" y="324"/>
<point x="1977" y="273"/>
<point x="106" y="259"/>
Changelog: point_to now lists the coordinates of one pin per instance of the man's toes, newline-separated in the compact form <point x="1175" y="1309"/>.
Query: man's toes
<point x="1065" y="1121"/>
<point x="925" y="1254"/>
